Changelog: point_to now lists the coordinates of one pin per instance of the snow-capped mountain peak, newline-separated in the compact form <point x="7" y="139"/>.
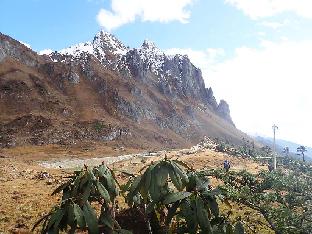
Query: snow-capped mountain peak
<point x="151" y="47"/>
<point x="102" y="43"/>
<point x="148" y="44"/>
<point x="106" y="41"/>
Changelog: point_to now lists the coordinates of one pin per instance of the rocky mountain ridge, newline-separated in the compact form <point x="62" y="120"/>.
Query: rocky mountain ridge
<point x="175" y="75"/>
<point x="104" y="91"/>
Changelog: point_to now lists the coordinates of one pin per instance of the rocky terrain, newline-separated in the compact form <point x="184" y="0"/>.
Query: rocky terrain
<point x="104" y="92"/>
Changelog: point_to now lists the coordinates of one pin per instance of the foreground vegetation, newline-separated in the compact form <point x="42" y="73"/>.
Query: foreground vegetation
<point x="168" y="196"/>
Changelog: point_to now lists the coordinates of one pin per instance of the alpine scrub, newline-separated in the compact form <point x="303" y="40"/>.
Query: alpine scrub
<point x="75" y="211"/>
<point x="176" y="200"/>
<point x="283" y="197"/>
<point x="173" y="197"/>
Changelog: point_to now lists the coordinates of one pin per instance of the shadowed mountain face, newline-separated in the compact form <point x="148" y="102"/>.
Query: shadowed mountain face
<point x="103" y="91"/>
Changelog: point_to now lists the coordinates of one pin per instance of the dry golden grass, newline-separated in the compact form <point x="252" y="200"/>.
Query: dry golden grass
<point x="25" y="198"/>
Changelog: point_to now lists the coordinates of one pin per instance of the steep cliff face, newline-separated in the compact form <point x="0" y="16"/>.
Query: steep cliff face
<point x="102" y="90"/>
<point x="223" y="110"/>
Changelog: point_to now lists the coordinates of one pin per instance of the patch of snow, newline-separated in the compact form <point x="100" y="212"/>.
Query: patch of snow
<point x="45" y="51"/>
<point x="78" y="49"/>
<point x="25" y="44"/>
<point x="151" y="55"/>
<point x="105" y="40"/>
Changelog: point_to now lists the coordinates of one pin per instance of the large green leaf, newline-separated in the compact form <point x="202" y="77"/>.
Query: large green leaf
<point x="66" y="194"/>
<point x="180" y="173"/>
<point x="214" y="207"/>
<point x="91" y="219"/>
<point x="202" y="216"/>
<point x="135" y="185"/>
<point x="174" y="197"/>
<point x="62" y="186"/>
<point x="113" y="188"/>
<point x="176" y="180"/>
<point x="188" y="212"/>
<point x="86" y="192"/>
<point x="76" y="184"/>
<point x="107" y="220"/>
<point x="91" y="176"/>
<point x="55" y="217"/>
<point x="108" y="180"/>
<point x="102" y="190"/>
<point x="144" y="193"/>
<point x="154" y="188"/>
<point x="102" y="170"/>
<point x="162" y="175"/>
<point x="71" y="215"/>
<point x="148" y="176"/>
<point x="79" y="217"/>
<point x="84" y="179"/>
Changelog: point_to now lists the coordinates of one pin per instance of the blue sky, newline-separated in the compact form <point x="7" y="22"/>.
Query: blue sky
<point x="256" y="54"/>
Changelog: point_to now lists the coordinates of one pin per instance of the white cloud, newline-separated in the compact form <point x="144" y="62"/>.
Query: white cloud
<point x="263" y="86"/>
<point x="261" y="34"/>
<point x="45" y="51"/>
<point x="274" y="25"/>
<point x="269" y="85"/>
<point x="126" y="11"/>
<point x="256" y="9"/>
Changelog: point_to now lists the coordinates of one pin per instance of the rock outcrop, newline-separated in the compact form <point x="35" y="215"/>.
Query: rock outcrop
<point x="223" y="110"/>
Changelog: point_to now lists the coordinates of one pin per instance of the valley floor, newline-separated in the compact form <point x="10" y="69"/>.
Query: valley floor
<point x="25" y="186"/>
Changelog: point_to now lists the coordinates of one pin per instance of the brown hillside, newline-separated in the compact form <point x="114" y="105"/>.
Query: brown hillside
<point x="106" y="98"/>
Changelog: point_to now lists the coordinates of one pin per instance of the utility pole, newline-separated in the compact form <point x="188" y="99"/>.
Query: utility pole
<point x="274" y="127"/>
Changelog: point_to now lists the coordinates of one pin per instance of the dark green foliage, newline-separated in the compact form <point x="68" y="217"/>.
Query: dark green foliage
<point x="96" y="185"/>
<point x="247" y="149"/>
<point x="98" y="126"/>
<point x="282" y="196"/>
<point x="174" y="199"/>
<point x="221" y="147"/>
<point x="302" y="149"/>
<point x="170" y="187"/>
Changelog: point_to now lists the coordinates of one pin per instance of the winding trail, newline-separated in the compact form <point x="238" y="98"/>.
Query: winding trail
<point x="79" y="163"/>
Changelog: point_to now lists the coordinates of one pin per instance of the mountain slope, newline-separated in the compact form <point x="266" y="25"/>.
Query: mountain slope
<point x="103" y="91"/>
<point x="281" y="144"/>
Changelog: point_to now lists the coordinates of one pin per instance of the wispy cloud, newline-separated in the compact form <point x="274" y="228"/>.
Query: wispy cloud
<point x="274" y="24"/>
<point x="127" y="11"/>
<point x="257" y="9"/>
